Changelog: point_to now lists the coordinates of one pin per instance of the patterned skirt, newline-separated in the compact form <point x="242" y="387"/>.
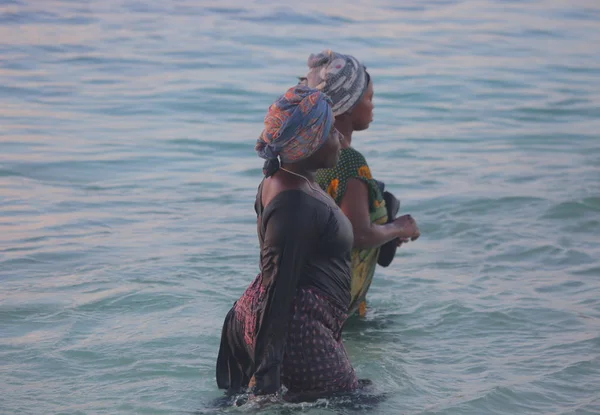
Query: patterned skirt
<point x="315" y="358"/>
<point x="315" y="362"/>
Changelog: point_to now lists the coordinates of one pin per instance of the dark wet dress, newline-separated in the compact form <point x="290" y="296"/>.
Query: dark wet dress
<point x="286" y="327"/>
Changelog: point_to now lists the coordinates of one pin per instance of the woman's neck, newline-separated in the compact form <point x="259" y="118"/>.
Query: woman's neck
<point x="345" y="127"/>
<point x="302" y="171"/>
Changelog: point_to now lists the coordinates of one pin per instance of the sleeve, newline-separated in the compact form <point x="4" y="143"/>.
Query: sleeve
<point x="351" y="165"/>
<point x="290" y="236"/>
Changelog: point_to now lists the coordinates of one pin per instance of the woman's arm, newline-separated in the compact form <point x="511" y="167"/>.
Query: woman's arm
<point x="289" y="238"/>
<point x="355" y="205"/>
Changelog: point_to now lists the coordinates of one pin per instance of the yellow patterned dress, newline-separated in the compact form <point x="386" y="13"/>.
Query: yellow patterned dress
<point x="352" y="164"/>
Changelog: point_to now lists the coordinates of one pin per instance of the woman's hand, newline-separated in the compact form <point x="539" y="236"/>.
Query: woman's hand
<point x="400" y="241"/>
<point x="407" y="228"/>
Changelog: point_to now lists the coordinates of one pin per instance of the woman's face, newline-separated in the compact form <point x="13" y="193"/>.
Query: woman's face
<point x="362" y="113"/>
<point x="327" y="156"/>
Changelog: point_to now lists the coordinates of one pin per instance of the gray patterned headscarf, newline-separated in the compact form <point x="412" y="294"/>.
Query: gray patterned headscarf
<point x="342" y="77"/>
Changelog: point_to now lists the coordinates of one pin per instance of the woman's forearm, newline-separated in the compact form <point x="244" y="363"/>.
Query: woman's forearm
<point x="374" y="236"/>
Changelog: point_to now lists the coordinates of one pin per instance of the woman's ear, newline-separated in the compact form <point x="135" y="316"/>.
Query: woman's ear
<point x="343" y="117"/>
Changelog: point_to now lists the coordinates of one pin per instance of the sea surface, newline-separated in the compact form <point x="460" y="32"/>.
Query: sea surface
<point x="128" y="175"/>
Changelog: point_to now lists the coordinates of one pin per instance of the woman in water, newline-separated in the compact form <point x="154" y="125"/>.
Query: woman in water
<point x="350" y="182"/>
<point x="286" y="327"/>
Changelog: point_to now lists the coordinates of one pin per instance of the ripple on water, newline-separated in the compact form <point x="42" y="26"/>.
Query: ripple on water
<point x="128" y="177"/>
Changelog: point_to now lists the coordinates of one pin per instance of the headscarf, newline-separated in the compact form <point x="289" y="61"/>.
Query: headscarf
<point x="342" y="77"/>
<point x="296" y="125"/>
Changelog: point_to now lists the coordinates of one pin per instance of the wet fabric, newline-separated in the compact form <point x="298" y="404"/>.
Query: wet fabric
<point x="315" y="357"/>
<point x="352" y="165"/>
<point x="314" y="360"/>
<point x="305" y="256"/>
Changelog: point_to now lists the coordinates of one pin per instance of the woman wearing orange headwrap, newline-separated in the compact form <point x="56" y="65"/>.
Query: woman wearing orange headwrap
<point x="286" y="327"/>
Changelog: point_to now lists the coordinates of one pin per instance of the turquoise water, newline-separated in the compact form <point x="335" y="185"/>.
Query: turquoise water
<point x="127" y="179"/>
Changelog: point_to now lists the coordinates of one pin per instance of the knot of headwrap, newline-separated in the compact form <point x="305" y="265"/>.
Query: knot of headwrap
<point x="342" y="77"/>
<point x="296" y="125"/>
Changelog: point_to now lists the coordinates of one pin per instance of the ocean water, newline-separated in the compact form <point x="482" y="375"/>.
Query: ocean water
<point x="127" y="180"/>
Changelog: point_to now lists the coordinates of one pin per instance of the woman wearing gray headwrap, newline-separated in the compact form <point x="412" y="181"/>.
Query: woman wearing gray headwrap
<point x="345" y="80"/>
